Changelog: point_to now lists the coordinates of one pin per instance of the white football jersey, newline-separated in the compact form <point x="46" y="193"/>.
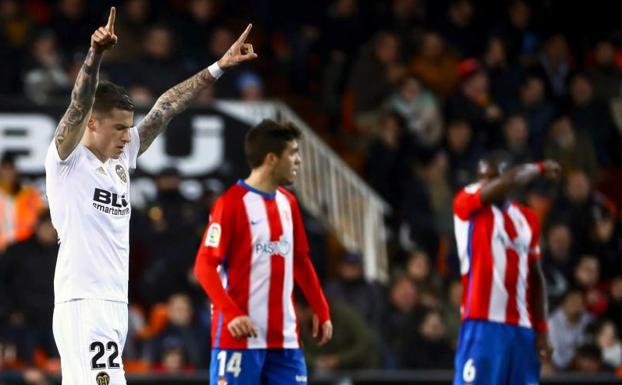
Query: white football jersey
<point x="90" y="209"/>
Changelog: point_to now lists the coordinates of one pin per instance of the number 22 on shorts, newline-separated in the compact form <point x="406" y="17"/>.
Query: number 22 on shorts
<point x="233" y="366"/>
<point x="468" y="372"/>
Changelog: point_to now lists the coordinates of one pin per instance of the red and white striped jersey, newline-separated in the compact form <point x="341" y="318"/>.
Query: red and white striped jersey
<point x="254" y="248"/>
<point x="496" y="247"/>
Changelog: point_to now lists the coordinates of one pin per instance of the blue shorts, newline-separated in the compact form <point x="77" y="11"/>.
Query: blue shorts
<point x="258" y="367"/>
<point x="491" y="353"/>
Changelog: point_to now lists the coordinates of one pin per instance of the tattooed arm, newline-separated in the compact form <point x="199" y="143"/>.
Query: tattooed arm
<point x="71" y="127"/>
<point x="177" y="98"/>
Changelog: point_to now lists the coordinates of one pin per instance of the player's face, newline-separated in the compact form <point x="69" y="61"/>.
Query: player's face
<point x="487" y="170"/>
<point x="112" y="131"/>
<point x="286" y="167"/>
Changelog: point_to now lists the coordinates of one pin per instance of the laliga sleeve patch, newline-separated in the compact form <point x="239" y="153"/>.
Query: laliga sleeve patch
<point x="213" y="235"/>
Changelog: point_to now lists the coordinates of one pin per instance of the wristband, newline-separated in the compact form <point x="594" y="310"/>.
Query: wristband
<point x="215" y="70"/>
<point x="540" y="167"/>
<point x="542" y="326"/>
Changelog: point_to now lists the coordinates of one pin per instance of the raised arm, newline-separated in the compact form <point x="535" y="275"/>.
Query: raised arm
<point x="177" y="98"/>
<point x="518" y="176"/>
<point x="71" y="127"/>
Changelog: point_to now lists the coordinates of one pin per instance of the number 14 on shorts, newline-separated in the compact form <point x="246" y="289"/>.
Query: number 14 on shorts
<point x="233" y="365"/>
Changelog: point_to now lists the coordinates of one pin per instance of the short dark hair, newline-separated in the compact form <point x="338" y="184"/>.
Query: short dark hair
<point x="268" y="137"/>
<point x="109" y="96"/>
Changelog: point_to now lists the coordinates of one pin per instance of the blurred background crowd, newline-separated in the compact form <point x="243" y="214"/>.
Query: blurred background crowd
<point x="411" y="93"/>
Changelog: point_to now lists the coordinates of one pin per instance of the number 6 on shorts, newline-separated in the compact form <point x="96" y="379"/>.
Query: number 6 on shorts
<point x="233" y="366"/>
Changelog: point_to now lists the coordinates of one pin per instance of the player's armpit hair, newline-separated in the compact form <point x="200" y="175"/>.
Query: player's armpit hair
<point x="169" y="104"/>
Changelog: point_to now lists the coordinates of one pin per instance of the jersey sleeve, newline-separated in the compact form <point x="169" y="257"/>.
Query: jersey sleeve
<point x="468" y="201"/>
<point x="304" y="272"/>
<point x="211" y="255"/>
<point x="61" y="167"/>
<point x="133" y="147"/>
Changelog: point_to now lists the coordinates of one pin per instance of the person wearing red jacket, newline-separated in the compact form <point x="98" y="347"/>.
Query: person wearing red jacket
<point x="253" y="250"/>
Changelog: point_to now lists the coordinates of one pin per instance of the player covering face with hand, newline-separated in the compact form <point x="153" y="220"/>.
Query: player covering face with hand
<point x="504" y="309"/>
<point x="87" y="184"/>
<point x="254" y="249"/>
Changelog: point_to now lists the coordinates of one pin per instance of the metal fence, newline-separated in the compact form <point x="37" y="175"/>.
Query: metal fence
<point x="330" y="190"/>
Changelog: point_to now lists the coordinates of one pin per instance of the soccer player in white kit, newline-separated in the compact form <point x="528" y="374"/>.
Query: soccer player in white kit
<point x="87" y="182"/>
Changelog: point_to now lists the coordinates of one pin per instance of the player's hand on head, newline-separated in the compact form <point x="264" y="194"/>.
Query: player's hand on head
<point x="241" y="327"/>
<point x="552" y="169"/>
<point x="104" y="37"/>
<point x="239" y="52"/>
<point x="324" y="333"/>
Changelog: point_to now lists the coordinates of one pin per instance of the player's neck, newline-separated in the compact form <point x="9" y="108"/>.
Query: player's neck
<point x="98" y="154"/>
<point x="261" y="180"/>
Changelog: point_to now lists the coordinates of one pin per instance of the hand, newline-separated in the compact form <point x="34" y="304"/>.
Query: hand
<point x="325" y="334"/>
<point x="104" y="38"/>
<point x="552" y="169"/>
<point x="239" y="52"/>
<point x="543" y="346"/>
<point x="242" y="326"/>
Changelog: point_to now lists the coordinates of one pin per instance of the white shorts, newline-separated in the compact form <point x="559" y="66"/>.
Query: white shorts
<point x="90" y="336"/>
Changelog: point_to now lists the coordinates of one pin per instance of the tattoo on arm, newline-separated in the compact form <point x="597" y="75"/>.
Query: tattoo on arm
<point x="169" y="104"/>
<point x="71" y="127"/>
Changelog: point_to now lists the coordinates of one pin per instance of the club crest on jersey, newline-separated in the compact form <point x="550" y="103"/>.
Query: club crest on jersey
<point x="102" y="378"/>
<point x="121" y="173"/>
<point x="213" y="235"/>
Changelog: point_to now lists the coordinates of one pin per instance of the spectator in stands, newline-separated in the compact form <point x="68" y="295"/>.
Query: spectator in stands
<point x="45" y="78"/>
<point x="460" y="30"/>
<point x="516" y="139"/>
<point x="351" y="348"/>
<point x="593" y="120"/>
<point x="571" y="149"/>
<point x="168" y="230"/>
<point x="419" y="270"/>
<point x="605" y="74"/>
<point x="385" y="156"/>
<point x="435" y="65"/>
<point x="250" y="87"/>
<point x="554" y="66"/>
<point x="606" y="241"/>
<point x="427" y="345"/>
<point x="159" y="65"/>
<point x="614" y="309"/>
<point x="27" y="278"/>
<point x="518" y="33"/>
<point x="420" y="110"/>
<point x="464" y="151"/>
<point x="379" y="61"/>
<point x="19" y="203"/>
<point x="179" y="333"/>
<point x="567" y="328"/>
<point x="132" y="25"/>
<point x="352" y="288"/>
<point x="537" y="109"/>
<point x="505" y="77"/>
<point x="195" y="26"/>
<point x="557" y="261"/>
<point x="474" y="103"/>
<point x="588" y="359"/>
<point x="404" y="305"/>
<point x="72" y="24"/>
<point x="586" y="277"/>
<point x="608" y="341"/>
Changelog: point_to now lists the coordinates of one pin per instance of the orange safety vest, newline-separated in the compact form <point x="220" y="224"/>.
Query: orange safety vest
<point x="18" y="215"/>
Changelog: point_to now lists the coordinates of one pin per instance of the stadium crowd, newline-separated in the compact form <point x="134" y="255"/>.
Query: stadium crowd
<point x="412" y="93"/>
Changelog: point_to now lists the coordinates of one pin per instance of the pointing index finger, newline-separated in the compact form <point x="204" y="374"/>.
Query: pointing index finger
<point x="111" y="17"/>
<point x="244" y="34"/>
